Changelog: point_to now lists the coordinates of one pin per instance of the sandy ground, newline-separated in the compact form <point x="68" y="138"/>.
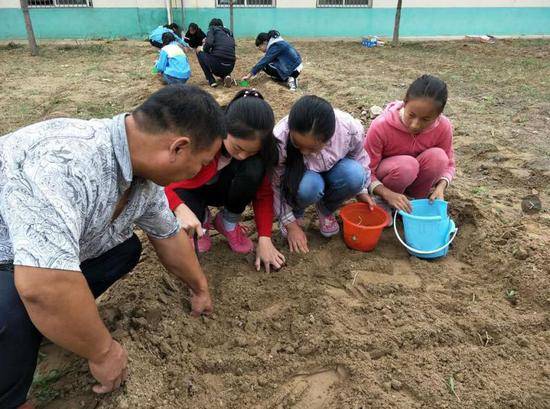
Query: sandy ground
<point x="335" y="328"/>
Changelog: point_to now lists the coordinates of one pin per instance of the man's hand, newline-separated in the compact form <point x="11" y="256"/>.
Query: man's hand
<point x="177" y="255"/>
<point x="297" y="239"/>
<point x="201" y="303"/>
<point x="111" y="369"/>
<point x="267" y="254"/>
<point x="188" y="221"/>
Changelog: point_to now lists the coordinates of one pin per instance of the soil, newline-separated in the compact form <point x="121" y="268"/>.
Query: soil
<point x="335" y="328"/>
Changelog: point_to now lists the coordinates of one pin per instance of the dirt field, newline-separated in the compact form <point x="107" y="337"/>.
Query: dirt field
<point x="335" y="328"/>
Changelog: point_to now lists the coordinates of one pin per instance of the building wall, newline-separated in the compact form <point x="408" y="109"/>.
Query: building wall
<point x="295" y="18"/>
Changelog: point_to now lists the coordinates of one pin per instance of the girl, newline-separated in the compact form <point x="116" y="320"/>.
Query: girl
<point x="217" y="55"/>
<point x="411" y="146"/>
<point x="238" y="175"/>
<point x="194" y="36"/>
<point x="281" y="60"/>
<point x="155" y="38"/>
<point x="322" y="161"/>
<point x="172" y="63"/>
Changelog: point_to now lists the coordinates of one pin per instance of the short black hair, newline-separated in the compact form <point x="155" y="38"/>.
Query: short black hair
<point x="167" y="38"/>
<point x="175" y="28"/>
<point x="216" y="22"/>
<point x="183" y="109"/>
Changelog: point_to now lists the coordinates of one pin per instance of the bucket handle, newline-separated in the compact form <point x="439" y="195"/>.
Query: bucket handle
<point x="423" y="218"/>
<point x="420" y="251"/>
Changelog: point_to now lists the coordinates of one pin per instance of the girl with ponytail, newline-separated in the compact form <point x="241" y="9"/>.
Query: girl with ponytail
<point x="322" y="161"/>
<point x="281" y="60"/>
<point x="239" y="174"/>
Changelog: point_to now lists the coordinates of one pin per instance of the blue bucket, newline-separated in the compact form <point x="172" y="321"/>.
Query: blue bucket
<point x="428" y="229"/>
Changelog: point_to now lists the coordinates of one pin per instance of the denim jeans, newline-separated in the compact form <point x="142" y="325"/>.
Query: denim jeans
<point x="168" y="79"/>
<point x="20" y="339"/>
<point x="330" y="189"/>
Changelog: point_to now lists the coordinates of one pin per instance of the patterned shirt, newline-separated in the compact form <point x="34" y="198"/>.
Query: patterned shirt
<point x="60" y="182"/>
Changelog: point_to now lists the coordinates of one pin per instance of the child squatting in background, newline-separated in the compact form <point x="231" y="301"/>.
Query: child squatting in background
<point x="239" y="174"/>
<point x="322" y="161"/>
<point x="155" y="38"/>
<point x="411" y="147"/>
<point x="172" y="63"/>
<point x="281" y="60"/>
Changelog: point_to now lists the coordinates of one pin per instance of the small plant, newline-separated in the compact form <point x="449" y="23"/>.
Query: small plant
<point x="512" y="296"/>
<point x="42" y="385"/>
<point x="452" y="387"/>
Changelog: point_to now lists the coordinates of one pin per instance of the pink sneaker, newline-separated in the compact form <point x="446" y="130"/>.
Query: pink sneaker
<point x="237" y="239"/>
<point x="204" y="243"/>
<point x="328" y="225"/>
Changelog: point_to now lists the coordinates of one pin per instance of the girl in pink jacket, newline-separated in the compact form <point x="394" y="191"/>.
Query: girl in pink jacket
<point x="322" y="161"/>
<point x="411" y="146"/>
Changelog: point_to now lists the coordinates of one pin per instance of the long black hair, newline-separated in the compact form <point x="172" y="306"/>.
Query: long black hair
<point x="167" y="38"/>
<point x="193" y="26"/>
<point x="265" y="37"/>
<point x="428" y="86"/>
<point x="313" y="116"/>
<point x="248" y="116"/>
<point x="175" y="28"/>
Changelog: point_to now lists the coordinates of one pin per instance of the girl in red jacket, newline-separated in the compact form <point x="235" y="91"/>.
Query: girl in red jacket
<point x="239" y="174"/>
<point x="411" y="146"/>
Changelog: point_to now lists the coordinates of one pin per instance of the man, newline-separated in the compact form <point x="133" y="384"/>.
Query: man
<point x="71" y="192"/>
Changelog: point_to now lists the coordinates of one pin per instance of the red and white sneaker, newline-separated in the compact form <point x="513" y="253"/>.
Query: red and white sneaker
<point x="237" y="239"/>
<point x="328" y="225"/>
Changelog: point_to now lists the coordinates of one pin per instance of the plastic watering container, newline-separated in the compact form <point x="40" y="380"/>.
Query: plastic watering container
<point x="428" y="229"/>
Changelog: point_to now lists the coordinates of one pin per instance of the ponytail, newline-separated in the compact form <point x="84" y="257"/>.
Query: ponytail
<point x="249" y="116"/>
<point x="265" y="37"/>
<point x="312" y="116"/>
<point x="428" y="86"/>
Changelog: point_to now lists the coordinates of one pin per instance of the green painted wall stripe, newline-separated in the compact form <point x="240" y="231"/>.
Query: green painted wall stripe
<point x="303" y="22"/>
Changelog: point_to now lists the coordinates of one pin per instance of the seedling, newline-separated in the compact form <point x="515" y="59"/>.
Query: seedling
<point x="452" y="387"/>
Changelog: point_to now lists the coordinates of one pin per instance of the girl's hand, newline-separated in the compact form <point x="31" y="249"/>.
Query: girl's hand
<point x="297" y="239"/>
<point x="439" y="191"/>
<point x="246" y="77"/>
<point x="365" y="198"/>
<point x="267" y="253"/>
<point x="188" y="221"/>
<point x="398" y="201"/>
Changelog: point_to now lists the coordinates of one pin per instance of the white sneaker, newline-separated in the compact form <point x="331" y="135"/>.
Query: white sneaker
<point x="214" y="84"/>
<point x="386" y="207"/>
<point x="292" y="83"/>
<point x="227" y="81"/>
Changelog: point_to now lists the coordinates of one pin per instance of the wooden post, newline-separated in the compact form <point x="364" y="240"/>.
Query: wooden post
<point x="396" y="24"/>
<point x="28" y="27"/>
<point x="231" y="25"/>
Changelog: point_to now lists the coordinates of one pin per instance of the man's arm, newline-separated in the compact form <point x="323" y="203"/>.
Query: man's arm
<point x="63" y="309"/>
<point x="177" y="255"/>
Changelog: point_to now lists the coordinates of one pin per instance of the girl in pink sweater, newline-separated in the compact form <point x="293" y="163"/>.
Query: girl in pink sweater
<point x="411" y="146"/>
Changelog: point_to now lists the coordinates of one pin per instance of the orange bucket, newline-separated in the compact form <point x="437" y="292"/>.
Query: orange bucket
<point x="362" y="226"/>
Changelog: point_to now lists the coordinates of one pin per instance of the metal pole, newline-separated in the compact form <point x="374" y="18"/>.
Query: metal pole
<point x="182" y="17"/>
<point x="231" y="26"/>
<point x="168" y="5"/>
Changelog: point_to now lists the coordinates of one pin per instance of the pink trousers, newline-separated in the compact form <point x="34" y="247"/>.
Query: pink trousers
<point x="413" y="176"/>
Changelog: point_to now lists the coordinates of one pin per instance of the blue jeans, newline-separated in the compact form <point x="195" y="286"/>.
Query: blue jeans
<point x="168" y="79"/>
<point x="330" y="189"/>
<point x="20" y="339"/>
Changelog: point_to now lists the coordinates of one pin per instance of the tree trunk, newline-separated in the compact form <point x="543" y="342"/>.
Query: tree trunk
<point x="182" y="18"/>
<point x="397" y="21"/>
<point x="231" y="22"/>
<point x="28" y="27"/>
